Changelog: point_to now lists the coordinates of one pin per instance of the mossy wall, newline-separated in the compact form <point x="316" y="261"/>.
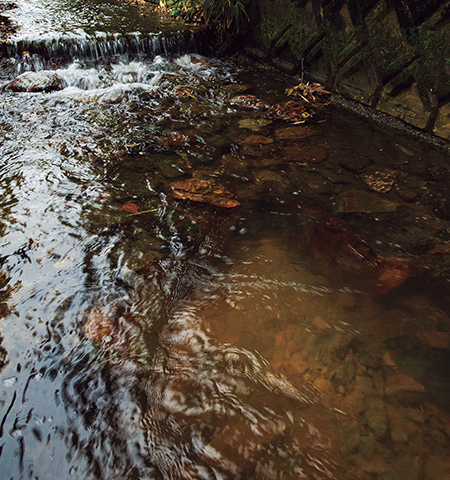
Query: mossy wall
<point x="393" y="55"/>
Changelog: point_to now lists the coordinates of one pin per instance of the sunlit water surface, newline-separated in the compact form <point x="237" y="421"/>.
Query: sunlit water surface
<point x="233" y="348"/>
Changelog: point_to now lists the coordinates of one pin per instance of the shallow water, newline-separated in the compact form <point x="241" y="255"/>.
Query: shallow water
<point x="50" y="20"/>
<point x="278" y="339"/>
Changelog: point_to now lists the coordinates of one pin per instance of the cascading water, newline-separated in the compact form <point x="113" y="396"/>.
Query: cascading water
<point x="152" y="338"/>
<point x="59" y="32"/>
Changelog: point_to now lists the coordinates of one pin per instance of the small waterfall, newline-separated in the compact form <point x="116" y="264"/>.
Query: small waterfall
<point x="42" y="54"/>
<point x="109" y="33"/>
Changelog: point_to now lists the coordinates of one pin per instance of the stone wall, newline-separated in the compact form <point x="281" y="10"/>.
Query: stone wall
<point x="393" y="55"/>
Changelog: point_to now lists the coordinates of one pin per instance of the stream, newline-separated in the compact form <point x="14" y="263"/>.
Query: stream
<point x="193" y="288"/>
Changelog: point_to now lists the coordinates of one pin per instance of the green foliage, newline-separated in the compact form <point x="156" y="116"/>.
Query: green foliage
<point x="225" y="17"/>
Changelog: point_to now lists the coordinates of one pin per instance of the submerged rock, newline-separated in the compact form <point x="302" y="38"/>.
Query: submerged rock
<point x="333" y="236"/>
<point x="257" y="140"/>
<point x="171" y="169"/>
<point x="403" y="387"/>
<point x="297" y="132"/>
<point x="394" y="272"/>
<point x="353" y="163"/>
<point x="254" y="124"/>
<point x="437" y="467"/>
<point x="377" y="420"/>
<point x="435" y="339"/>
<point x="268" y="182"/>
<point x="358" y="201"/>
<point x="401" y="427"/>
<point x="309" y="154"/>
<point x="381" y="182"/>
<point x="233" y="89"/>
<point x="319" y="327"/>
<point x="36" y="82"/>
<point x="367" y="446"/>
<point x="205" y="191"/>
<point x="407" y="194"/>
<point x="248" y="102"/>
<point x="99" y="327"/>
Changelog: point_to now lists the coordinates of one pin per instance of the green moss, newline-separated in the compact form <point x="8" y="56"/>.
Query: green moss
<point x="433" y="50"/>
<point x="266" y="32"/>
<point x="387" y="48"/>
<point x="343" y="48"/>
<point x="299" y="38"/>
<point x="339" y="44"/>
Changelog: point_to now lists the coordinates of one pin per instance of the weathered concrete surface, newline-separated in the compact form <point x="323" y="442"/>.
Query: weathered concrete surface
<point x="391" y="55"/>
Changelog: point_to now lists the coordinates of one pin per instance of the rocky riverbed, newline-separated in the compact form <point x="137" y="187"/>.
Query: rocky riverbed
<point x="218" y="280"/>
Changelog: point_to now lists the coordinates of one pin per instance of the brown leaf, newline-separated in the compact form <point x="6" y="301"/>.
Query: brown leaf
<point x="130" y="208"/>
<point x="98" y="327"/>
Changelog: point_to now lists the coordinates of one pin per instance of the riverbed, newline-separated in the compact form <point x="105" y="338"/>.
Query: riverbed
<point x="195" y="288"/>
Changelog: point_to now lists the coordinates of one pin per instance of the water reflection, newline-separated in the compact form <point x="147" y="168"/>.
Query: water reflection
<point x="184" y="342"/>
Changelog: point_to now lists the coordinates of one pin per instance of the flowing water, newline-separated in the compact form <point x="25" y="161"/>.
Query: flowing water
<point x="149" y="337"/>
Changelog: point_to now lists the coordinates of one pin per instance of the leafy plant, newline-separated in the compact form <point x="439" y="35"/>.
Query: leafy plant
<point x="225" y="17"/>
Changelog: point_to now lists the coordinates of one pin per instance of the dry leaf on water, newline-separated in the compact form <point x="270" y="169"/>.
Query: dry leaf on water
<point x="130" y="208"/>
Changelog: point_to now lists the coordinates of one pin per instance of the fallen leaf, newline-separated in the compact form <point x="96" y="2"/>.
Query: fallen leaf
<point x="99" y="327"/>
<point x="130" y="208"/>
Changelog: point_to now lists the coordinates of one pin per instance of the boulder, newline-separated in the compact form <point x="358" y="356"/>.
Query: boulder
<point x="36" y="82"/>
